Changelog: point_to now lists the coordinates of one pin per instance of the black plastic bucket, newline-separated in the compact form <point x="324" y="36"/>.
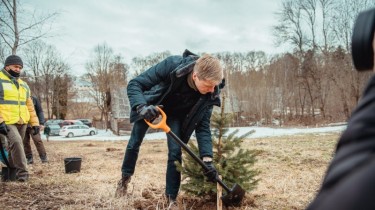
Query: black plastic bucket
<point x="8" y="174"/>
<point x="72" y="164"/>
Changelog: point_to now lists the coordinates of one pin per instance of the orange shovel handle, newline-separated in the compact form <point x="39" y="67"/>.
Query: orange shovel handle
<point x="162" y="124"/>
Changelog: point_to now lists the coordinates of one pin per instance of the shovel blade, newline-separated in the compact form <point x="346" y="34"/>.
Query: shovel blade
<point x="234" y="197"/>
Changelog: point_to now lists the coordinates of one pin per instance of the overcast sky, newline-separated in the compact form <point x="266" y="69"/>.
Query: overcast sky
<point x="142" y="27"/>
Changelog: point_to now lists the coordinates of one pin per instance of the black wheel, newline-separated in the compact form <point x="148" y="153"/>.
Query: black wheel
<point x="70" y="135"/>
<point x="92" y="133"/>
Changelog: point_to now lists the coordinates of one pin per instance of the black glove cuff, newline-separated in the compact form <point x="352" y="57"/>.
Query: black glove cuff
<point x="207" y="162"/>
<point x="209" y="165"/>
<point x="140" y="107"/>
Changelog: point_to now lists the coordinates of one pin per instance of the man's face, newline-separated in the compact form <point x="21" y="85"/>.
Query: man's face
<point x="15" y="68"/>
<point x="204" y="86"/>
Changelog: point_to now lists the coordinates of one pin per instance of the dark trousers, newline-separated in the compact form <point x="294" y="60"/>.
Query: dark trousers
<point x="37" y="142"/>
<point x="173" y="177"/>
<point x="16" y="156"/>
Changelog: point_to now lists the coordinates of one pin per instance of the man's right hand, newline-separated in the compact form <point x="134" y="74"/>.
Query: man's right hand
<point x="211" y="173"/>
<point x="148" y="112"/>
<point x="3" y="128"/>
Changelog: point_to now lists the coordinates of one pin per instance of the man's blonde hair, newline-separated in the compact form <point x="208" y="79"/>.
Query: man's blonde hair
<point x="209" y="68"/>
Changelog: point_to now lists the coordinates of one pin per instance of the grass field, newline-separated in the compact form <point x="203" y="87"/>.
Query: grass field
<point x="291" y="168"/>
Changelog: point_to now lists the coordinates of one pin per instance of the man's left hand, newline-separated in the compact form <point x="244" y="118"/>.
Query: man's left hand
<point x="36" y="130"/>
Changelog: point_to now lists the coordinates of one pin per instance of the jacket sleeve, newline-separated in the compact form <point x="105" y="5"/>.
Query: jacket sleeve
<point x="150" y="78"/>
<point x="33" y="118"/>
<point x="203" y="134"/>
<point x="38" y="110"/>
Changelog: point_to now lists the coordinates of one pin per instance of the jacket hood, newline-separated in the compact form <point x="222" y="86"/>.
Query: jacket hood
<point x="187" y="66"/>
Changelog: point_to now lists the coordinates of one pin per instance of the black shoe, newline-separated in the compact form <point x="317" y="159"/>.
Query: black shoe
<point x="44" y="158"/>
<point x="122" y="186"/>
<point x="30" y="160"/>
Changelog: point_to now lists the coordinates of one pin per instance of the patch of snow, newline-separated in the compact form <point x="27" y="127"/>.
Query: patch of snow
<point x="259" y="133"/>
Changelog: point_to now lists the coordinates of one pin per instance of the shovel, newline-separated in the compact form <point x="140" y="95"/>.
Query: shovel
<point x="234" y="196"/>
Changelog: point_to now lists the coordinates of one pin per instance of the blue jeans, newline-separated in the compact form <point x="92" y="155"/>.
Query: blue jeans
<point x="173" y="177"/>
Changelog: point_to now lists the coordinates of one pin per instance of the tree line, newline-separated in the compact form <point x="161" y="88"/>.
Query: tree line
<point x="313" y="82"/>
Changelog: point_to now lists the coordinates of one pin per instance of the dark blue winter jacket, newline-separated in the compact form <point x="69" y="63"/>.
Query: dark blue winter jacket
<point x="38" y="110"/>
<point x="153" y="85"/>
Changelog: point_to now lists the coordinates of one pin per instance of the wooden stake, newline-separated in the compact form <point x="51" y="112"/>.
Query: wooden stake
<point x="219" y="202"/>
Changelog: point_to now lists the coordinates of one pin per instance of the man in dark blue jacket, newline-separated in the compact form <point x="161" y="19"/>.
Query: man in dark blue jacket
<point x="188" y="87"/>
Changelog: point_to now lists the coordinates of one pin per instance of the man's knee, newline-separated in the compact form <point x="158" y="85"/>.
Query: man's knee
<point x="174" y="154"/>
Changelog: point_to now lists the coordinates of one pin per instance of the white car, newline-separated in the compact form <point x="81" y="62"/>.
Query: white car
<point x="77" y="130"/>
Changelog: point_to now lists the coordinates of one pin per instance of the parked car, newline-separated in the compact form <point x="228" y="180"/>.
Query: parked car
<point x="70" y="122"/>
<point x="53" y="121"/>
<point x="77" y="130"/>
<point x="86" y="122"/>
<point x="55" y="129"/>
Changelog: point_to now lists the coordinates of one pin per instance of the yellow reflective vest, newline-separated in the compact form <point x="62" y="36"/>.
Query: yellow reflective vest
<point x="15" y="101"/>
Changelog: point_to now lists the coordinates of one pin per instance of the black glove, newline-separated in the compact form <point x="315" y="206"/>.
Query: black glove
<point x="3" y="128"/>
<point x="211" y="173"/>
<point x="148" y="112"/>
<point x="36" y="130"/>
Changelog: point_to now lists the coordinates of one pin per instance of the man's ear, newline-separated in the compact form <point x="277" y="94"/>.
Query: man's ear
<point x="194" y="75"/>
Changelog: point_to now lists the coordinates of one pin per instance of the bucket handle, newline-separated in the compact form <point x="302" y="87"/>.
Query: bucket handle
<point x="67" y="162"/>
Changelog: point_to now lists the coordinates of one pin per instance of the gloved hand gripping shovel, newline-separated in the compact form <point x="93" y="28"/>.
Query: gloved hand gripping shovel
<point x="234" y="196"/>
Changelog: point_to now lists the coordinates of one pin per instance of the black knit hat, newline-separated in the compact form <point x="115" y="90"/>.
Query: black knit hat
<point x="13" y="60"/>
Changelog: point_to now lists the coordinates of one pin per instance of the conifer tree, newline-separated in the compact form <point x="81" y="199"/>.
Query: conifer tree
<point x="233" y="163"/>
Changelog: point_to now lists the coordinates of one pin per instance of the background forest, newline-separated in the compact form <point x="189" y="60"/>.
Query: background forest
<point x="312" y="82"/>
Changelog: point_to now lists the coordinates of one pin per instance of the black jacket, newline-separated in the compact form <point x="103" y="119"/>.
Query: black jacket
<point x="38" y="110"/>
<point x="350" y="180"/>
<point x="153" y="85"/>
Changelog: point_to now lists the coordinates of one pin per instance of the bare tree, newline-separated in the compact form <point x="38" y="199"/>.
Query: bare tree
<point x="3" y="53"/>
<point x="119" y="71"/>
<point x="345" y="13"/>
<point x="141" y="64"/>
<point x="327" y="28"/>
<point x="106" y="72"/>
<point x="285" y="69"/>
<point x="290" y="26"/>
<point x="18" y="28"/>
<point x="309" y="8"/>
<point x="61" y="85"/>
<point x="244" y="75"/>
<point x="45" y="64"/>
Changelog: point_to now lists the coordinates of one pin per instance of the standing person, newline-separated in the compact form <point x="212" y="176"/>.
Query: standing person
<point x="16" y="111"/>
<point x="188" y="87"/>
<point x="47" y="132"/>
<point x="36" y="137"/>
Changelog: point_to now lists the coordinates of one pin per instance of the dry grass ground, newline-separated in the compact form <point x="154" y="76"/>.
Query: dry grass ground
<point x="292" y="169"/>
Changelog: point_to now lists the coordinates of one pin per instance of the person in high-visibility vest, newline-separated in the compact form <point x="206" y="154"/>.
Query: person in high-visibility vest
<point x="16" y="111"/>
